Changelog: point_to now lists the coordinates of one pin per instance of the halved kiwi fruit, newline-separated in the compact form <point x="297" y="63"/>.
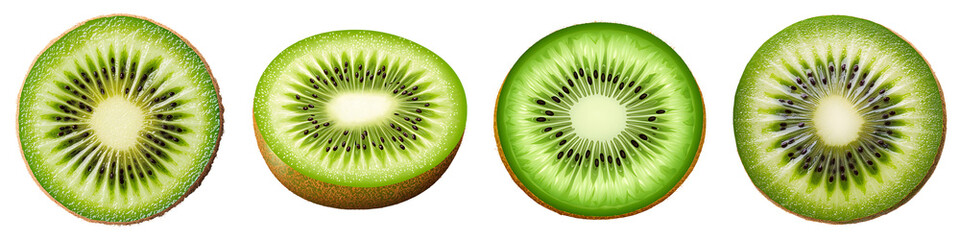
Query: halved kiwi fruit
<point x="358" y="119"/>
<point x="838" y="119"/>
<point x="599" y="120"/>
<point x="119" y="119"/>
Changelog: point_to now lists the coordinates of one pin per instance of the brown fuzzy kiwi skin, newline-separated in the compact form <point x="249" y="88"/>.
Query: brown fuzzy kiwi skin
<point x="916" y="189"/>
<point x="503" y="158"/>
<point x="347" y="197"/>
<point x="206" y="169"/>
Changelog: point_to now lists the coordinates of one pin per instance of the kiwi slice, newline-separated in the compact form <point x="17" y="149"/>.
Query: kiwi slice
<point x="358" y="119"/>
<point x="838" y="119"/>
<point x="599" y="120"/>
<point x="119" y="119"/>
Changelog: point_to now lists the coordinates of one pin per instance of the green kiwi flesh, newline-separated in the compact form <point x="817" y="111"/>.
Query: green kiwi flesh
<point x="119" y="119"/>
<point x="360" y="109"/>
<point x="599" y="120"/>
<point x="838" y="119"/>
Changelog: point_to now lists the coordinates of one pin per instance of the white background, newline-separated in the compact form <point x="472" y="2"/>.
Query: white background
<point x="476" y="197"/>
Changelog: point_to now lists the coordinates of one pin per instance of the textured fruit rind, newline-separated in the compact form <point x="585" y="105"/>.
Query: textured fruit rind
<point x="347" y="197"/>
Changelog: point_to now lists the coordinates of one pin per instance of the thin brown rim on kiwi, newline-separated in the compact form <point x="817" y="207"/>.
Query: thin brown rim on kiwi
<point x="216" y="145"/>
<point x="503" y="159"/>
<point x="917" y="188"/>
<point x="332" y="195"/>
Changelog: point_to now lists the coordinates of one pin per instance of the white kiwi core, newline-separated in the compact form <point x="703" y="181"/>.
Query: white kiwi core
<point x="117" y="122"/>
<point x="598" y="118"/>
<point x="351" y="109"/>
<point x="837" y="121"/>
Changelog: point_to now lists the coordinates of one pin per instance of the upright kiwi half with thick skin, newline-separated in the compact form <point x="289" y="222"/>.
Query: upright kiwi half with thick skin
<point x="119" y="119"/>
<point x="358" y="119"/>
<point x="838" y="119"/>
<point x="599" y="120"/>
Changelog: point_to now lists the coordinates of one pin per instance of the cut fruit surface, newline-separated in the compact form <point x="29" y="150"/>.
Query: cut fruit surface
<point x="359" y="109"/>
<point x="599" y="120"/>
<point x="119" y="119"/>
<point x="838" y="119"/>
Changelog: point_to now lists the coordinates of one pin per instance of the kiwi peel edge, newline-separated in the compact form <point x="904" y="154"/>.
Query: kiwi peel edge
<point x="333" y="195"/>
